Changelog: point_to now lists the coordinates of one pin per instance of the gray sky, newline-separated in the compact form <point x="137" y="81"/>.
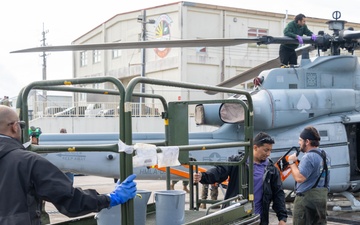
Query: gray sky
<point x="22" y="25"/>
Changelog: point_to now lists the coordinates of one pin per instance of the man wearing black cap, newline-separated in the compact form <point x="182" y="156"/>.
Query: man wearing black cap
<point x="312" y="180"/>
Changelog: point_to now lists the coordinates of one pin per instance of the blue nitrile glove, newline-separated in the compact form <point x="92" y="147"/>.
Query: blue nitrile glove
<point x="123" y="191"/>
<point x="313" y="37"/>
<point x="300" y="39"/>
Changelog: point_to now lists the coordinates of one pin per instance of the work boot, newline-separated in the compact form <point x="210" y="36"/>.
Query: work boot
<point x="185" y="188"/>
<point x="202" y="206"/>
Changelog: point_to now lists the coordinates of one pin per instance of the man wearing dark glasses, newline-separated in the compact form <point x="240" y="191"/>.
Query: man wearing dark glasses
<point x="267" y="183"/>
<point x="27" y="178"/>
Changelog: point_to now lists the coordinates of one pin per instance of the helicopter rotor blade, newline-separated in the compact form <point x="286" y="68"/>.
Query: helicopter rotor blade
<point x="350" y="34"/>
<point x="145" y="44"/>
<point x="300" y="49"/>
<point x="210" y="42"/>
<point x="247" y="75"/>
<point x="255" y="71"/>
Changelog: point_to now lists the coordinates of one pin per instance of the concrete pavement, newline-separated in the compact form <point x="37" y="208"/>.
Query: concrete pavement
<point x="106" y="185"/>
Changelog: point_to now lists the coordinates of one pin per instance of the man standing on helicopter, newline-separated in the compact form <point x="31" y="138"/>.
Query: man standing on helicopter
<point x="295" y="29"/>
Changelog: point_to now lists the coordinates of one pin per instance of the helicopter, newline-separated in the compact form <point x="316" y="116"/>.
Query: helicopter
<point x="321" y="92"/>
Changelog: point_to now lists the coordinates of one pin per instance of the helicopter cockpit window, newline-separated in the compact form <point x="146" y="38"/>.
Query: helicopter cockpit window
<point x="231" y="113"/>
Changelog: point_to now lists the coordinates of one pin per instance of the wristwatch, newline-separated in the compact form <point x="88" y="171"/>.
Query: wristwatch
<point x="291" y="162"/>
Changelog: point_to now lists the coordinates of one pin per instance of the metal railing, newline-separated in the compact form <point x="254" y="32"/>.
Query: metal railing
<point x="90" y="109"/>
<point x="176" y="130"/>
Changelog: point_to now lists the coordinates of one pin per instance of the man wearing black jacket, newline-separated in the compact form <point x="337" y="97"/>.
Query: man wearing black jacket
<point x="267" y="182"/>
<point x="27" y="178"/>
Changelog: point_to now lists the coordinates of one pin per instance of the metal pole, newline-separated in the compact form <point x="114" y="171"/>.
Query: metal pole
<point x="143" y="56"/>
<point x="43" y="43"/>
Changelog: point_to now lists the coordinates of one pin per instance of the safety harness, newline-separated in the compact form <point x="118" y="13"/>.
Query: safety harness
<point x="325" y="167"/>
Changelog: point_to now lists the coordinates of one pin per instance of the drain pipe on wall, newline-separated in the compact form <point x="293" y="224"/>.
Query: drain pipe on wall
<point x="285" y="19"/>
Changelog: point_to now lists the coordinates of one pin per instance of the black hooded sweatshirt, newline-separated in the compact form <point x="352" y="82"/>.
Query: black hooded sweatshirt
<point x="26" y="178"/>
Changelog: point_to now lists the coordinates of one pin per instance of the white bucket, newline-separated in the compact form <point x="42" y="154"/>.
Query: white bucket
<point x="113" y="215"/>
<point x="170" y="207"/>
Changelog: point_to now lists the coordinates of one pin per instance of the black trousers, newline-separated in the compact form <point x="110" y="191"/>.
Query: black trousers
<point x="287" y="56"/>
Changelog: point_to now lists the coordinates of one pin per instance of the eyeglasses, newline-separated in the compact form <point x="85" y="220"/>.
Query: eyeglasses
<point x="266" y="140"/>
<point x="21" y="123"/>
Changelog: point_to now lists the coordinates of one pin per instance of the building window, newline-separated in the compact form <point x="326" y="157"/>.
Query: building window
<point x="96" y="56"/>
<point x="82" y="97"/>
<point x="96" y="86"/>
<point x="116" y="53"/>
<point x="257" y="32"/>
<point x="83" y="58"/>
